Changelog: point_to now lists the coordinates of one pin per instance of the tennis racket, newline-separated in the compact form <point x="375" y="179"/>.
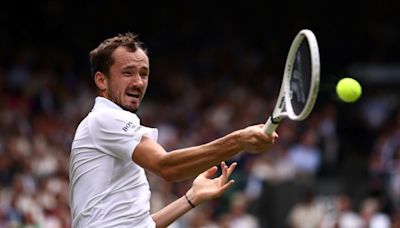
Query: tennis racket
<point x="300" y="83"/>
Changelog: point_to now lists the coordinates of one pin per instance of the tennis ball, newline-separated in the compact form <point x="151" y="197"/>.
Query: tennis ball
<point x="348" y="90"/>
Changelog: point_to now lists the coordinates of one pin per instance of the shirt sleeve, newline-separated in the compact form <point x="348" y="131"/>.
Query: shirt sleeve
<point x="118" y="133"/>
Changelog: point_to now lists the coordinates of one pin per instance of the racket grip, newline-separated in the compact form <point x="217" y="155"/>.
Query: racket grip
<point x="270" y="127"/>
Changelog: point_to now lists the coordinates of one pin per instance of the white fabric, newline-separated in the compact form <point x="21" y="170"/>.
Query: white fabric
<point x="380" y="220"/>
<point x="350" y="220"/>
<point x="107" y="189"/>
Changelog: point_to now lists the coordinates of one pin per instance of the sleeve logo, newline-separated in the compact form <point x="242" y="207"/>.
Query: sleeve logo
<point x="127" y="126"/>
<point x="130" y="125"/>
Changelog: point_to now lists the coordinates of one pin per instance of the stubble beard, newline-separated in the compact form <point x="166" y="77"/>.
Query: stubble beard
<point x="120" y="104"/>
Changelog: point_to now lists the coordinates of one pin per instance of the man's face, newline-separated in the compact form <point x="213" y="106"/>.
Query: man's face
<point x="128" y="79"/>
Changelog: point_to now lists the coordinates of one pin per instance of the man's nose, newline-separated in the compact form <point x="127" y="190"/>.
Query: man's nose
<point x="137" y="80"/>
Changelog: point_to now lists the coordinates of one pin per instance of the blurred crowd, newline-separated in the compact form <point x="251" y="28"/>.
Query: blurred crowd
<point x="41" y="105"/>
<point x="338" y="168"/>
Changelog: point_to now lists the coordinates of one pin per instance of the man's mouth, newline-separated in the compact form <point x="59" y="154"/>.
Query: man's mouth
<point x="133" y="94"/>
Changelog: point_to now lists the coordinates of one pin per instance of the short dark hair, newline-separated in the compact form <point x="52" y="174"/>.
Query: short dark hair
<point x="101" y="57"/>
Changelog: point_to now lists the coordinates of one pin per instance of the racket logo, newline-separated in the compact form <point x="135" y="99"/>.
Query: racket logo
<point x="297" y="87"/>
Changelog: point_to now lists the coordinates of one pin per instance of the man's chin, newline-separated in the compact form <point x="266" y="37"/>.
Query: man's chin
<point x="127" y="106"/>
<point x="130" y="108"/>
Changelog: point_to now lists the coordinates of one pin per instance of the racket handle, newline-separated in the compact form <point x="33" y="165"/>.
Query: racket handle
<point x="270" y="127"/>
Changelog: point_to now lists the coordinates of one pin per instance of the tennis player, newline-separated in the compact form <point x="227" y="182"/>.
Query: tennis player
<point x="111" y="149"/>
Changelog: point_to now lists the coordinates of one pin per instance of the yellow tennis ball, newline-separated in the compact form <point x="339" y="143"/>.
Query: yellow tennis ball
<point x="348" y="90"/>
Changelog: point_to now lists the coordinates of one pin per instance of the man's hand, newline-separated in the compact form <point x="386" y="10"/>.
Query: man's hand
<point x="254" y="140"/>
<point x="205" y="188"/>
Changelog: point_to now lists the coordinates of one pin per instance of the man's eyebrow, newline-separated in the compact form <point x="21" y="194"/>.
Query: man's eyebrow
<point x="129" y="67"/>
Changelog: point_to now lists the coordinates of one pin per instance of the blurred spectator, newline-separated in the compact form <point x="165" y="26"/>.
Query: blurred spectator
<point x="346" y="217"/>
<point x="18" y="76"/>
<point x="371" y="215"/>
<point x="306" y="213"/>
<point x="305" y="156"/>
<point x="375" y="110"/>
<point x="329" y="138"/>
<point x="202" y="217"/>
<point x="395" y="219"/>
<point x="274" y="167"/>
<point x="237" y="216"/>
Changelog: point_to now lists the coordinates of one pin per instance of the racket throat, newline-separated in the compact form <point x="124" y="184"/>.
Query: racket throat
<point x="276" y="120"/>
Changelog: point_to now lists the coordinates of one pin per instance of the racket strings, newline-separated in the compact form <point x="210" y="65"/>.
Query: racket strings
<point x="301" y="78"/>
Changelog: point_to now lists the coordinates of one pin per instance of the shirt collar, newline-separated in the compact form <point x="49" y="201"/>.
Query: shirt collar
<point x="102" y="102"/>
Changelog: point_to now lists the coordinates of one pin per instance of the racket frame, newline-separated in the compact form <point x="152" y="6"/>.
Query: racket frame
<point x="283" y="107"/>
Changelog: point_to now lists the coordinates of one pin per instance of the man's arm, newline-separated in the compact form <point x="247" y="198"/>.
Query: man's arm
<point x="184" y="163"/>
<point x="203" y="189"/>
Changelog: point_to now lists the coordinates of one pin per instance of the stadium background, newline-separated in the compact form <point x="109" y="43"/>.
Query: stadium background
<point x="215" y="67"/>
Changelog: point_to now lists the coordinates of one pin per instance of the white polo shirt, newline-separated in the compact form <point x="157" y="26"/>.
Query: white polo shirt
<point x="107" y="189"/>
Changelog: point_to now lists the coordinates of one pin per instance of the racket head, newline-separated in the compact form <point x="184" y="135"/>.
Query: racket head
<point x="302" y="75"/>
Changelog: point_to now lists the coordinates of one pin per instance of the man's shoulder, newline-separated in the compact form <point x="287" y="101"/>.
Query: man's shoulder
<point x="112" y="114"/>
<point x="112" y="119"/>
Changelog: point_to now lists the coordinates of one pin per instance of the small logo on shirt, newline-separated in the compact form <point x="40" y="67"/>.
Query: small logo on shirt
<point x="127" y="126"/>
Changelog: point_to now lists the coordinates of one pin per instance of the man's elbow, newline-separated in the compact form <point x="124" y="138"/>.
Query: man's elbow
<point x="169" y="171"/>
<point x="169" y="175"/>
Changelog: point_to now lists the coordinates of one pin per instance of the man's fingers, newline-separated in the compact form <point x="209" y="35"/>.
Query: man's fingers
<point x="224" y="168"/>
<point x="224" y="176"/>
<point x="231" y="168"/>
<point x="210" y="172"/>
<point x="226" y="186"/>
<point x="226" y="172"/>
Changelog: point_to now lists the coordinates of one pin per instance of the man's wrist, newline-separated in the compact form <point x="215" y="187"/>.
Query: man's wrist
<point x="190" y="202"/>
<point x="191" y="198"/>
<point x="237" y="137"/>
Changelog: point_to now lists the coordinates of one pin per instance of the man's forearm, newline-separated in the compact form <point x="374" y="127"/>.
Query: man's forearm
<point x="185" y="163"/>
<point x="171" y="212"/>
<point x="188" y="162"/>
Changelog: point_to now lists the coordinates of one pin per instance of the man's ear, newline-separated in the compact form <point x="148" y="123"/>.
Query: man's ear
<point x="100" y="79"/>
